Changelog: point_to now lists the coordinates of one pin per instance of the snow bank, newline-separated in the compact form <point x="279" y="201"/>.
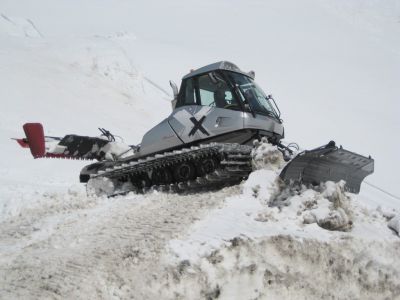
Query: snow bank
<point x="286" y="267"/>
<point x="278" y="241"/>
<point x="268" y="207"/>
<point x="266" y="156"/>
<point x="329" y="207"/>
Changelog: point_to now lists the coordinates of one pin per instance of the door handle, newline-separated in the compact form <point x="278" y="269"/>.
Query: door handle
<point x="219" y="121"/>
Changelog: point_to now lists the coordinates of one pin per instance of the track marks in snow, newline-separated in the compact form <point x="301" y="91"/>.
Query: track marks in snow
<point x="109" y="249"/>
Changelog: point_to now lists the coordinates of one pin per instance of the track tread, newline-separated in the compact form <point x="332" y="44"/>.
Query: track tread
<point x="234" y="166"/>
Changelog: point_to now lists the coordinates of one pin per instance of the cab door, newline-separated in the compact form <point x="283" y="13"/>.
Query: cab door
<point x="207" y="109"/>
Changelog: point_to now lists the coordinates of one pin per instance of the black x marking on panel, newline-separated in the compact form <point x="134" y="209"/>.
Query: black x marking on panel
<point x="198" y="126"/>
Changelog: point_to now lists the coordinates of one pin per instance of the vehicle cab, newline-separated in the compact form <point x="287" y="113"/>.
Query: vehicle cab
<point x="217" y="103"/>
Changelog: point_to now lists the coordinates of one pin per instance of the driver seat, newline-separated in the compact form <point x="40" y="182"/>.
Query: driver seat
<point x="219" y="98"/>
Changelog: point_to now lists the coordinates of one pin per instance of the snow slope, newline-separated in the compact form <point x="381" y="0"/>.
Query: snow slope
<point x="334" y="68"/>
<point x="337" y="58"/>
<point x="70" y="86"/>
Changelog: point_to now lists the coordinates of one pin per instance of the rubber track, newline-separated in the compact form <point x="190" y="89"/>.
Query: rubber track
<point x="235" y="164"/>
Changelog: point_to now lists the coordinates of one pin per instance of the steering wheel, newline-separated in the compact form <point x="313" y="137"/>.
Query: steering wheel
<point x="229" y="106"/>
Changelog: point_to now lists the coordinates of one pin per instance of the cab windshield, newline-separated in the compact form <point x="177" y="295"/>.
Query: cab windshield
<point x="253" y="94"/>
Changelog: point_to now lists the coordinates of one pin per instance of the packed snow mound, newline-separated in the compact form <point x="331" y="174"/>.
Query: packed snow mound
<point x="267" y="206"/>
<point x="18" y="27"/>
<point x="287" y="241"/>
<point x="266" y="156"/>
<point x="286" y="267"/>
<point x="327" y="204"/>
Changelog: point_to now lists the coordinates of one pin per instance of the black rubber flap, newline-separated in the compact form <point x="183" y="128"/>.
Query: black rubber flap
<point x="329" y="163"/>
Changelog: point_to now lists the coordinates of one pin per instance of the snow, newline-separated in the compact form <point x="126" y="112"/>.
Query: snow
<point x="333" y="68"/>
<point x="260" y="245"/>
<point x="394" y="224"/>
<point x="18" y="27"/>
<point x="263" y="209"/>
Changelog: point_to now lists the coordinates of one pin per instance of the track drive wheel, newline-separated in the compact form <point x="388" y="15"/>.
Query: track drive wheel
<point x="206" y="166"/>
<point x="184" y="171"/>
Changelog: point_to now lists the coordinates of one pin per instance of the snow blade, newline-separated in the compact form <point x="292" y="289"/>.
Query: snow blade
<point x="35" y="139"/>
<point x="329" y="163"/>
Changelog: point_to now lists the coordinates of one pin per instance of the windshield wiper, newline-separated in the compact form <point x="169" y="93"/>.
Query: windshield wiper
<point x="246" y="101"/>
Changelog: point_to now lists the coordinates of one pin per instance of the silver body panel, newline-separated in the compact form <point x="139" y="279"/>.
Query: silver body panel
<point x="216" y="124"/>
<point x="216" y="121"/>
<point x="158" y="138"/>
<point x="262" y="122"/>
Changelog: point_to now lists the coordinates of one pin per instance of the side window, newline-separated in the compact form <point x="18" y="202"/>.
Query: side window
<point x="229" y="97"/>
<point x="187" y="94"/>
<point x="190" y="95"/>
<point x="207" y="97"/>
<point x="206" y="90"/>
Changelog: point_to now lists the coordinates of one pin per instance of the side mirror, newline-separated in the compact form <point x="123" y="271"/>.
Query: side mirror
<point x="175" y="93"/>
<point x="269" y="97"/>
<point x="252" y="74"/>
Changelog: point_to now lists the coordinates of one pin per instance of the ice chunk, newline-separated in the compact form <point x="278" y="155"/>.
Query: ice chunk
<point x="267" y="156"/>
<point x="394" y="224"/>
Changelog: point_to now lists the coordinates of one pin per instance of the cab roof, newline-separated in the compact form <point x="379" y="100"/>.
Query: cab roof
<point x="221" y="65"/>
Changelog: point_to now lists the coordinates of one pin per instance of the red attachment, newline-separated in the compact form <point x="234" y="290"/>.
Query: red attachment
<point x="35" y="136"/>
<point x="22" y="142"/>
